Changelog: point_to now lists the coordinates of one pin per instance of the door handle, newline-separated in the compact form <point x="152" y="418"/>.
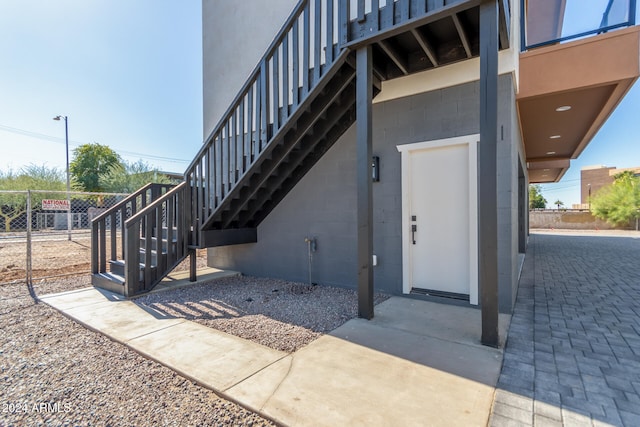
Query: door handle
<point x="414" y="228"/>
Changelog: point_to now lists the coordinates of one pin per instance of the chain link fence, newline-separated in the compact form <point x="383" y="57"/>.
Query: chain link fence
<point x="47" y="234"/>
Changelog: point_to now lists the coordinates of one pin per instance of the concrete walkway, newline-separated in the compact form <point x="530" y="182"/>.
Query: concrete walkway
<point x="416" y="363"/>
<point x="573" y="352"/>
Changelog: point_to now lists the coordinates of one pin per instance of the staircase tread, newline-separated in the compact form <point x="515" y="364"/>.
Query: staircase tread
<point x="122" y="263"/>
<point x="116" y="278"/>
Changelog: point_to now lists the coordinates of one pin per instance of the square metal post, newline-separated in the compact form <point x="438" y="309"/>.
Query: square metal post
<point x="193" y="267"/>
<point x="487" y="173"/>
<point x="364" y="97"/>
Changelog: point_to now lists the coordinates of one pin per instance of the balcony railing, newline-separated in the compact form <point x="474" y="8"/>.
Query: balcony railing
<point x="546" y="22"/>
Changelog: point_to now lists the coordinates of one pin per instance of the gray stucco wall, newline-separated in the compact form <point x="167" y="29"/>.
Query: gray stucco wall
<point x="510" y="151"/>
<point x="235" y="35"/>
<point x="323" y="203"/>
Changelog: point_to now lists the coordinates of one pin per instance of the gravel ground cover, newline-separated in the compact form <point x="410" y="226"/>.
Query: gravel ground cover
<point x="278" y="314"/>
<point x="55" y="372"/>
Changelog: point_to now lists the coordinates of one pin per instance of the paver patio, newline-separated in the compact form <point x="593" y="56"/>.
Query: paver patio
<point x="573" y="352"/>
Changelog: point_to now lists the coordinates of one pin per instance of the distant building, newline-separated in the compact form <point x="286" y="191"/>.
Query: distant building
<point x="593" y="178"/>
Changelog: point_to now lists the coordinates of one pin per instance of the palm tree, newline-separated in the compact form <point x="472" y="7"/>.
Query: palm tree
<point x="558" y="203"/>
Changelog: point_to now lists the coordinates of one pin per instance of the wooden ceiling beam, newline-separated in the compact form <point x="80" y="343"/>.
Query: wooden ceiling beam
<point x="426" y="46"/>
<point x="462" y="33"/>
<point x="395" y="56"/>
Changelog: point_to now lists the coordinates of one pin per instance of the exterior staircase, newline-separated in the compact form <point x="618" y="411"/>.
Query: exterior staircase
<point x="294" y="106"/>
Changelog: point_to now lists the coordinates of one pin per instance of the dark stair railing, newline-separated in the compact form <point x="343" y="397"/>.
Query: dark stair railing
<point x="294" y="70"/>
<point x="295" y="104"/>
<point x="150" y="212"/>
<point x="156" y="240"/>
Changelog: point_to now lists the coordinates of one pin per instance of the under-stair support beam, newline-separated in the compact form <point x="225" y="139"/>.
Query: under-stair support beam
<point x="395" y="56"/>
<point x="364" y="129"/>
<point x="462" y="34"/>
<point x="426" y="46"/>
<point x="358" y="36"/>
<point x="311" y="147"/>
<point x="306" y="123"/>
<point x="487" y="173"/>
<point x="234" y="236"/>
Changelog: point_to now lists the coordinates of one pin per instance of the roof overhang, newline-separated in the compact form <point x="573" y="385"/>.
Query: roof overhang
<point x="591" y="76"/>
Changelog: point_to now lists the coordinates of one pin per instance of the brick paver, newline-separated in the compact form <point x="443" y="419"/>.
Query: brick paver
<point x="573" y="351"/>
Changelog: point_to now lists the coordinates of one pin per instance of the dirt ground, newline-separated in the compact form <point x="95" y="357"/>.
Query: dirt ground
<point x="49" y="258"/>
<point x="53" y="256"/>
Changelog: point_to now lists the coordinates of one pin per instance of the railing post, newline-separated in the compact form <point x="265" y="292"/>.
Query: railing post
<point x="317" y="42"/>
<point x="103" y="247"/>
<point x="361" y="14"/>
<point x="343" y="22"/>
<point x="132" y="259"/>
<point x="306" y="49"/>
<point x="264" y="107"/>
<point x="94" y="247"/>
<point x="113" y="235"/>
<point x="329" y="35"/>
<point x="192" y="265"/>
<point x="29" y="270"/>
<point x="523" y="26"/>
<point x="148" y="261"/>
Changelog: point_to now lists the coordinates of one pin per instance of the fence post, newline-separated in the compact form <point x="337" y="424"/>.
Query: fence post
<point x="29" y="272"/>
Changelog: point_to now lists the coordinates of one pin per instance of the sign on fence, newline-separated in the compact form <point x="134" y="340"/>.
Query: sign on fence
<point x="55" y="205"/>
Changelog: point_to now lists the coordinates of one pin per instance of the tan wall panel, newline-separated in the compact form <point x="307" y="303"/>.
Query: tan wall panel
<point x="594" y="61"/>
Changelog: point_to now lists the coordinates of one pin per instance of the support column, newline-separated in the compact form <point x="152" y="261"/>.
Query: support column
<point x="523" y="210"/>
<point x="364" y="97"/>
<point x="487" y="179"/>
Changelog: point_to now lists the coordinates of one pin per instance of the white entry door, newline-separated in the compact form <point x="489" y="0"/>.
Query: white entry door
<point x="439" y="209"/>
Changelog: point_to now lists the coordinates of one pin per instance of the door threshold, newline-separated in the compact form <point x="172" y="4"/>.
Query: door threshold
<point x="440" y="294"/>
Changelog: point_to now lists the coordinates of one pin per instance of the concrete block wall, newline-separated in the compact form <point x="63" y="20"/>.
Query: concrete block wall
<point x="323" y="203"/>
<point x="573" y="220"/>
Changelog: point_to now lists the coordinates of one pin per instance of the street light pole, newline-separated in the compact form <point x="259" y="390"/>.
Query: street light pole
<point x="66" y="139"/>
<point x="589" y="186"/>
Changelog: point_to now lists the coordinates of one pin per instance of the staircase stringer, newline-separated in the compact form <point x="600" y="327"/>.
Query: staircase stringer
<point x="300" y="61"/>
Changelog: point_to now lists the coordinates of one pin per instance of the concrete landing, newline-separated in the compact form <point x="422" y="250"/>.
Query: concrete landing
<point x="180" y="279"/>
<point x="416" y="363"/>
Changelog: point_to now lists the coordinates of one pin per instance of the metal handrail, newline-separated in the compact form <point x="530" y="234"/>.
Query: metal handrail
<point x="292" y="66"/>
<point x="603" y="28"/>
<point x="99" y="225"/>
<point x="127" y="199"/>
<point x="167" y="212"/>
